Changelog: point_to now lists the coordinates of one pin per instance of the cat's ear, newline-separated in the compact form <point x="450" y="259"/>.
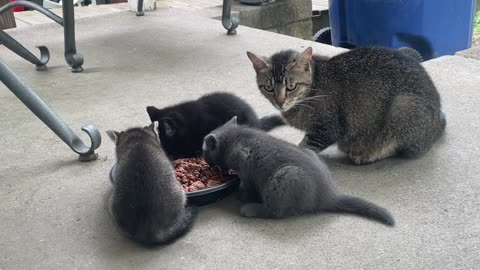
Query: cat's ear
<point x="304" y="59"/>
<point x="113" y="135"/>
<point x="233" y="121"/>
<point x="210" y="142"/>
<point x="154" y="126"/>
<point x="168" y="127"/>
<point x="152" y="113"/>
<point x="259" y="63"/>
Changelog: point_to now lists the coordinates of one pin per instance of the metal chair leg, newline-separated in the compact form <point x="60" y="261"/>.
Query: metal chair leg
<point x="74" y="59"/>
<point x="230" y="23"/>
<point x="49" y="117"/>
<point x="14" y="46"/>
<point x="140" y="11"/>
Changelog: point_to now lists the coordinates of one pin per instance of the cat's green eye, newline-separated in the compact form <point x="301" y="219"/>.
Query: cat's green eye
<point x="291" y="87"/>
<point x="268" y="88"/>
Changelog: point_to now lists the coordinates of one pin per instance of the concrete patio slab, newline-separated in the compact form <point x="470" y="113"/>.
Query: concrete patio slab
<point x="53" y="214"/>
<point x="473" y="52"/>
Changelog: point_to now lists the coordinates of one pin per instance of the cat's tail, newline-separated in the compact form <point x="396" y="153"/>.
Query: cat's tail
<point x="442" y="125"/>
<point x="270" y="122"/>
<point x="443" y="121"/>
<point x="412" y="52"/>
<point x="419" y="43"/>
<point x="180" y="228"/>
<point x="357" y="206"/>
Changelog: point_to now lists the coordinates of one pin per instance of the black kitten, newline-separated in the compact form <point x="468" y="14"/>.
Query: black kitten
<point x="279" y="179"/>
<point x="183" y="126"/>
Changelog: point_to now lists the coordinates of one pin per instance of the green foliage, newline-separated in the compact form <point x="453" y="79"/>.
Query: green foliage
<point x="476" y="23"/>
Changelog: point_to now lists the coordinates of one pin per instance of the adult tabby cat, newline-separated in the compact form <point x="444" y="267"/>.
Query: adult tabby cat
<point x="373" y="102"/>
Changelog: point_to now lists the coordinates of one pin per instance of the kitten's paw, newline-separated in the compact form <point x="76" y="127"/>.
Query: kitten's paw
<point x="362" y="160"/>
<point x="250" y="210"/>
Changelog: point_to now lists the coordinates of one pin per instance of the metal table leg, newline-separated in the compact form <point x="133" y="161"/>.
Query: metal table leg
<point x="52" y="120"/>
<point x="230" y="23"/>
<point x="17" y="48"/>
<point x="74" y="59"/>
<point x="140" y="8"/>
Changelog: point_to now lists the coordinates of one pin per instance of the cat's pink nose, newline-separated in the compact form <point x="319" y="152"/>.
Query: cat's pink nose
<point x="280" y="101"/>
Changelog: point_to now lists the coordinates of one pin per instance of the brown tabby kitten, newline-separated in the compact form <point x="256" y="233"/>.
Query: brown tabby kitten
<point x="373" y="102"/>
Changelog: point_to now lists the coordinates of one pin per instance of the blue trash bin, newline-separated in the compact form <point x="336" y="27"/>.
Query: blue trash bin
<point x="432" y="27"/>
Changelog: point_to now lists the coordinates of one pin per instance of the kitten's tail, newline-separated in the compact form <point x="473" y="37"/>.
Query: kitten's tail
<point x="443" y="121"/>
<point x="361" y="207"/>
<point x="412" y="52"/>
<point x="419" y="43"/>
<point x="179" y="229"/>
<point x="442" y="124"/>
<point x="270" y="122"/>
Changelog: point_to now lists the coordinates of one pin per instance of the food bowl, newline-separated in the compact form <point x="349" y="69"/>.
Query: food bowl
<point x="212" y="194"/>
<point x="204" y="196"/>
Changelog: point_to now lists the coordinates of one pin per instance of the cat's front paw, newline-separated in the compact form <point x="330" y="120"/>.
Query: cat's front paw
<point x="250" y="210"/>
<point x="307" y="143"/>
<point x="362" y="160"/>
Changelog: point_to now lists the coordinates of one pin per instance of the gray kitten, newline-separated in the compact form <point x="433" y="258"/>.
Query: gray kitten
<point x="373" y="102"/>
<point x="147" y="201"/>
<point x="279" y="179"/>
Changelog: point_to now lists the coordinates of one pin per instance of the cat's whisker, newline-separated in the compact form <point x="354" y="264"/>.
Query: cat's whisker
<point x="314" y="98"/>
<point x="314" y="89"/>
<point x="303" y="106"/>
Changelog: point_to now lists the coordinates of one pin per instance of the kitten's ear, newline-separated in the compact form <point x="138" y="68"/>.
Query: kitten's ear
<point x="304" y="60"/>
<point x="210" y="142"/>
<point x="259" y="63"/>
<point x="152" y="113"/>
<point x="233" y="121"/>
<point x="168" y="127"/>
<point x="113" y="135"/>
<point x="154" y="126"/>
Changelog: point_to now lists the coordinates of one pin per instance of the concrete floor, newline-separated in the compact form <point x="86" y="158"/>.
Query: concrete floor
<point x="53" y="214"/>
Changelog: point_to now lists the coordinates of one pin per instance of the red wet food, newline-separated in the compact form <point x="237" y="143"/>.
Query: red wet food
<point x="195" y="174"/>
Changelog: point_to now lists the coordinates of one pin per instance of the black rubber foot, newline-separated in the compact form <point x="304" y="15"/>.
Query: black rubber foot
<point x="41" y="67"/>
<point x="231" y="32"/>
<point x="89" y="157"/>
<point x="77" y="69"/>
<point x="140" y="13"/>
<point x="75" y="61"/>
